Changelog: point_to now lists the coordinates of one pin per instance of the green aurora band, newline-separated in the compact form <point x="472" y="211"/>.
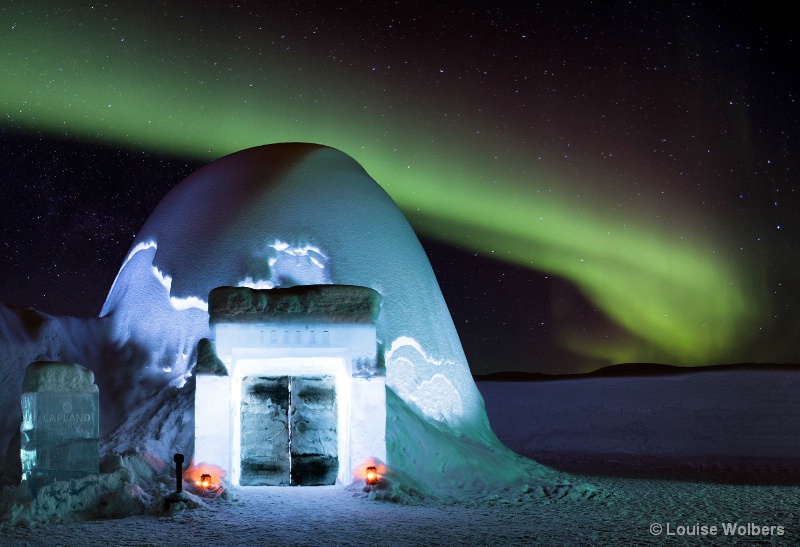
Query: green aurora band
<point x="681" y="299"/>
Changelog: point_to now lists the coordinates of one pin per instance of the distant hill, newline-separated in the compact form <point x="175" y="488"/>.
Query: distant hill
<point x="633" y="369"/>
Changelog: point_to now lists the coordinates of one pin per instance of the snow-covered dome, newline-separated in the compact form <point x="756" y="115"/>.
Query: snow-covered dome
<point x="294" y="214"/>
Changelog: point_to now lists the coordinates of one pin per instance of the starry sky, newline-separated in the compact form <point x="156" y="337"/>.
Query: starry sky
<point x="594" y="183"/>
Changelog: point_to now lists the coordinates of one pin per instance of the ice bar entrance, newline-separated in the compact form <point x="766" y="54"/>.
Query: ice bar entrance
<point x="292" y="389"/>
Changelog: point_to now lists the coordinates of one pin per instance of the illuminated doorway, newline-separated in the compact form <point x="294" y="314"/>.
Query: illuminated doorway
<point x="288" y="431"/>
<point x="292" y="391"/>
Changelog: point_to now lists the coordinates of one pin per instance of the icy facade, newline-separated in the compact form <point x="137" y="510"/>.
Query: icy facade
<point x="60" y="423"/>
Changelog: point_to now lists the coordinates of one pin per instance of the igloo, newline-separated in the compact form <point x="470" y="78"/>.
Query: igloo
<point x="293" y="215"/>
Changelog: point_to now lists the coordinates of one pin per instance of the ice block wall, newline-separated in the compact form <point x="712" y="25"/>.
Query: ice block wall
<point x="60" y="423"/>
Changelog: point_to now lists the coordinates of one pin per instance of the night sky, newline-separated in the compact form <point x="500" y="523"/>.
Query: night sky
<point x="593" y="183"/>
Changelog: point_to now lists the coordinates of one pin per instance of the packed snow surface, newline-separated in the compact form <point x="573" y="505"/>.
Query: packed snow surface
<point x="328" y="515"/>
<point x="621" y="509"/>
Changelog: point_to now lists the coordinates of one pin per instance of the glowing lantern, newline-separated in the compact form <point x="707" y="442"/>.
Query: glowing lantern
<point x="205" y="477"/>
<point x="205" y="480"/>
<point x="372" y="475"/>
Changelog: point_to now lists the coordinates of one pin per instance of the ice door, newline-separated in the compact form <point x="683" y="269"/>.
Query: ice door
<point x="265" y="431"/>
<point x="288" y="431"/>
<point x="315" y="455"/>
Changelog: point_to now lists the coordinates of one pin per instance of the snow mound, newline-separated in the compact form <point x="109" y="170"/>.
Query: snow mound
<point x="280" y="216"/>
<point x="298" y="214"/>
<point x="448" y="464"/>
<point x="129" y="484"/>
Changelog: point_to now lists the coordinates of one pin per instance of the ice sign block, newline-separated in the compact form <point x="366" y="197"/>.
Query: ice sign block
<point x="60" y="423"/>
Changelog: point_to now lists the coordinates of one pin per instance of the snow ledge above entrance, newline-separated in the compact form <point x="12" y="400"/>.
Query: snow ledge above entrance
<point x="306" y="303"/>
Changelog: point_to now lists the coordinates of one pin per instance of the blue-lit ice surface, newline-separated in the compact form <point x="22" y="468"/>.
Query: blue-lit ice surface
<point x="60" y="423"/>
<point x="294" y="214"/>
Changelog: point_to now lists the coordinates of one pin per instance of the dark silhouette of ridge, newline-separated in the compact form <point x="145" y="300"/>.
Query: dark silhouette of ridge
<point x="635" y="370"/>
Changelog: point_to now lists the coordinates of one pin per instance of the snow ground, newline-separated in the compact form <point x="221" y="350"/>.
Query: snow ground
<point x="706" y="420"/>
<point x="336" y="516"/>
<point x="628" y="500"/>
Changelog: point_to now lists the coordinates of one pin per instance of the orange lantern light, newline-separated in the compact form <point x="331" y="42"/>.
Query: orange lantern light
<point x="205" y="480"/>
<point x="372" y="475"/>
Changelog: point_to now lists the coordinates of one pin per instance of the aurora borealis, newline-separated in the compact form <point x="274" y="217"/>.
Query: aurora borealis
<point x="639" y="160"/>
